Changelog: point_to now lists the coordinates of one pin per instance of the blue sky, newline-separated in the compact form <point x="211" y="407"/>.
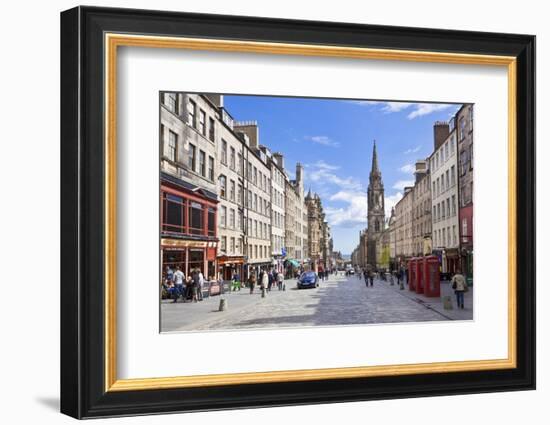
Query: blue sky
<point x="333" y="140"/>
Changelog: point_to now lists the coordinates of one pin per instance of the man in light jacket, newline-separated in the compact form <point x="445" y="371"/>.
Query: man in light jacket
<point x="459" y="286"/>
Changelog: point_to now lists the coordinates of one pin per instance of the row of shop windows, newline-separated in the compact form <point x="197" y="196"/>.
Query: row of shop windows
<point x="185" y="216"/>
<point x="188" y="260"/>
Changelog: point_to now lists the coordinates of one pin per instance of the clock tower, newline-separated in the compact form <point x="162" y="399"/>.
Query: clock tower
<point x="376" y="216"/>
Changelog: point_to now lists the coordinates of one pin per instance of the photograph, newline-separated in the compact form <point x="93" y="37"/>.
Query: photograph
<point x="280" y="212"/>
<point x="301" y="189"/>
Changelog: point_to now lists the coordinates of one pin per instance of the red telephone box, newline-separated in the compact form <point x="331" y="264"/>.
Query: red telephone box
<point x="419" y="276"/>
<point x="412" y="274"/>
<point x="431" y="276"/>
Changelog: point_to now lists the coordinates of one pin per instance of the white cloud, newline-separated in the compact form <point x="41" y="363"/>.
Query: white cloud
<point x="412" y="150"/>
<point x="401" y="184"/>
<point x="422" y="109"/>
<point x="407" y="168"/>
<point x="322" y="172"/>
<point x="390" y="201"/>
<point x="386" y="107"/>
<point x="322" y="140"/>
<point x="419" y="109"/>
<point x="354" y="214"/>
<point x="390" y="107"/>
<point x="325" y="166"/>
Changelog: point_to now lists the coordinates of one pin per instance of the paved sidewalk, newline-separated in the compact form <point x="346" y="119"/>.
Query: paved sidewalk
<point x="436" y="303"/>
<point x="186" y="316"/>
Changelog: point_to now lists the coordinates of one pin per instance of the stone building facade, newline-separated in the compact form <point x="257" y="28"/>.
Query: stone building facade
<point x="465" y="124"/>
<point x="422" y="210"/>
<point x="278" y="210"/>
<point x="257" y="198"/>
<point x="291" y="200"/>
<point x="188" y="183"/>
<point x="403" y="226"/>
<point x="230" y="171"/>
<point x="444" y="180"/>
<point x="318" y="233"/>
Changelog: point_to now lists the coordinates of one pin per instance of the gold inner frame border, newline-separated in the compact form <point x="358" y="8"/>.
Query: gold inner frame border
<point x="113" y="40"/>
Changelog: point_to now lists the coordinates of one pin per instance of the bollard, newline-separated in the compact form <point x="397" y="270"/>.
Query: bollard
<point x="447" y="303"/>
<point x="223" y="305"/>
<point x="401" y="285"/>
<point x="263" y="292"/>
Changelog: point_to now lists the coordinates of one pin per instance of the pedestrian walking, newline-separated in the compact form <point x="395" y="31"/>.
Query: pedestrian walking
<point x="179" y="279"/>
<point x="194" y="285"/>
<point x="401" y="277"/>
<point x="235" y="282"/>
<point x="200" y="286"/>
<point x="371" y="277"/>
<point x="252" y="282"/>
<point x="264" y="283"/>
<point x="280" y="280"/>
<point x="460" y="287"/>
<point x="270" y="280"/>
<point x="169" y="274"/>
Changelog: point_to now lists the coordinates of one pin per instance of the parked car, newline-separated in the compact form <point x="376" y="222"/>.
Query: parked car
<point x="308" y="280"/>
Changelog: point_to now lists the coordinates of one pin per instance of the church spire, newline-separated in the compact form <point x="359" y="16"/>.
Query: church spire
<point x="374" y="167"/>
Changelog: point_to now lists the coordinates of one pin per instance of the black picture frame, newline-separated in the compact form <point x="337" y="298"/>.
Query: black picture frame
<point x="83" y="392"/>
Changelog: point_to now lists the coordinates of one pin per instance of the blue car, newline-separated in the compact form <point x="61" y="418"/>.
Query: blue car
<point x="308" y="280"/>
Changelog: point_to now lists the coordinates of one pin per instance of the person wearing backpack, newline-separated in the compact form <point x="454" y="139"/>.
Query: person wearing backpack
<point x="459" y="285"/>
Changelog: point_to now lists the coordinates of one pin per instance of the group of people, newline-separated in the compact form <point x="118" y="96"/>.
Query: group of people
<point x="458" y="281"/>
<point x="177" y="285"/>
<point x="369" y="274"/>
<point x="266" y="279"/>
<point x="323" y="273"/>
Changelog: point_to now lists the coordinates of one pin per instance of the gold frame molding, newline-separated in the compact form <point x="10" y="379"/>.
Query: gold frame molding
<point x="113" y="41"/>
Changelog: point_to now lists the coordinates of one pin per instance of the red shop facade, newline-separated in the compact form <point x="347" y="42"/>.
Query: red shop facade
<point x="188" y="238"/>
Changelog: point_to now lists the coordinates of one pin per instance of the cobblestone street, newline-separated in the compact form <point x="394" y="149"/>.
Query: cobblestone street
<point x="338" y="301"/>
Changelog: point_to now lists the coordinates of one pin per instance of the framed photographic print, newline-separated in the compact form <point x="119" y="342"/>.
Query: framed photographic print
<point x="261" y="212"/>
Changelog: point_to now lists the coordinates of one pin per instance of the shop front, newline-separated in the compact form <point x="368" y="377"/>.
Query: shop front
<point x="190" y="256"/>
<point x="188" y="239"/>
<point x="257" y="268"/>
<point x="291" y="267"/>
<point x="229" y="265"/>
<point x="449" y="261"/>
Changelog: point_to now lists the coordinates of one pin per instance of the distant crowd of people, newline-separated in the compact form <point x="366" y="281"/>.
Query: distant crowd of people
<point x="267" y="279"/>
<point x="176" y="286"/>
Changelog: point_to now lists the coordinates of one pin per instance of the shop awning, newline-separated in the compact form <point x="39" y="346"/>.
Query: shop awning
<point x="293" y="262"/>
